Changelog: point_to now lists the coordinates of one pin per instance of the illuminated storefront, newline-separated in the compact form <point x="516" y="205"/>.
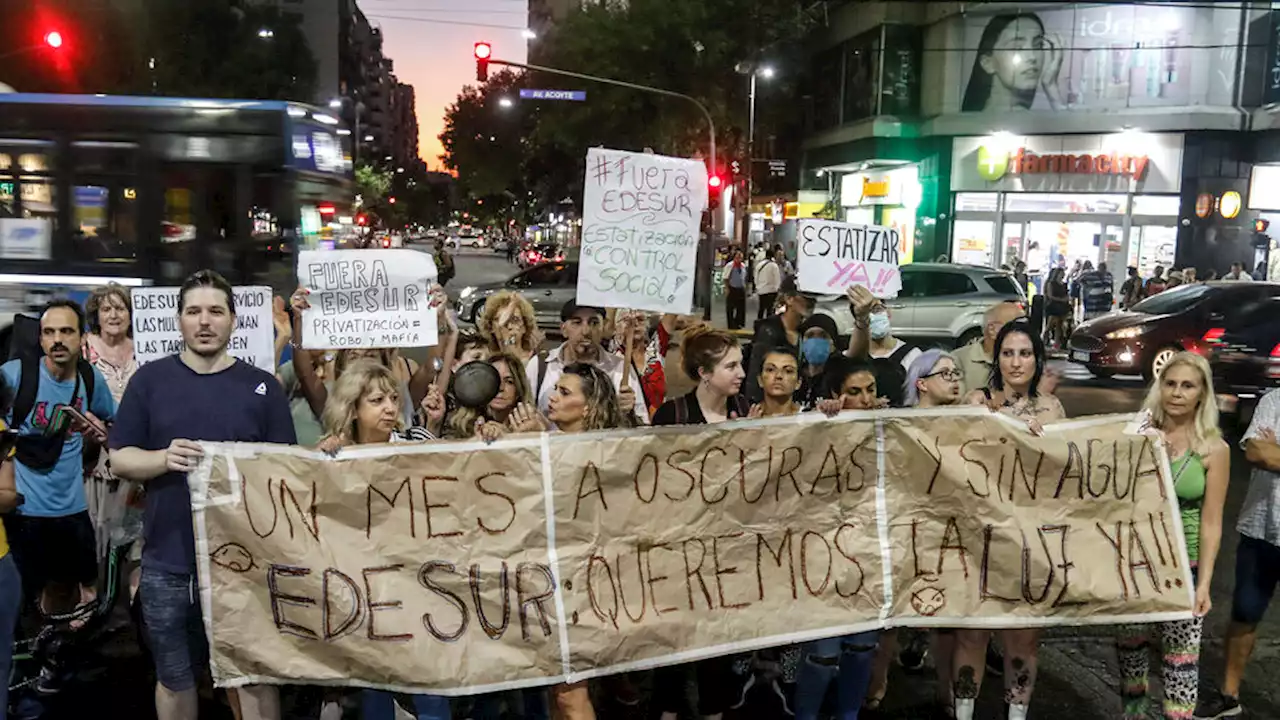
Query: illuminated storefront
<point x="1110" y="198"/>
<point x="887" y="197"/>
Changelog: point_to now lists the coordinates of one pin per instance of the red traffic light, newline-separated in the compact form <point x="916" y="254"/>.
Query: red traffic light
<point x="1261" y="225"/>
<point x="53" y="39"/>
<point x="392" y="200"/>
<point x="715" y="181"/>
<point x="484" y="51"/>
<point x="361" y="219"/>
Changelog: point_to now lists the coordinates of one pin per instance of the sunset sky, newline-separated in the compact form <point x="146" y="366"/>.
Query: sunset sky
<point x="432" y="43"/>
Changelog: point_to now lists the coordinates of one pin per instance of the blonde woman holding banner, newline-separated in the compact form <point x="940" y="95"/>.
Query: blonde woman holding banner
<point x="1181" y="408"/>
<point x="364" y="408"/>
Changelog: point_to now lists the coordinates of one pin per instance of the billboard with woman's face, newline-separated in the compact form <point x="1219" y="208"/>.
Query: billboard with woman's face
<point x="1091" y="57"/>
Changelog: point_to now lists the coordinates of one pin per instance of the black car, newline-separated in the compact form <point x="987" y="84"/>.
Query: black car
<point x="1246" y="360"/>
<point x="1188" y="317"/>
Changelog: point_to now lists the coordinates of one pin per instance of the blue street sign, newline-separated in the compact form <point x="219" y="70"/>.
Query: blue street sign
<point x="578" y="95"/>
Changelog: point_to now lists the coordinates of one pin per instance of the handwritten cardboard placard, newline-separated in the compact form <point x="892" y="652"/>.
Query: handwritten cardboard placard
<point x="833" y="256"/>
<point x="156" y="333"/>
<point x="367" y="298"/>
<point x="461" y="568"/>
<point x="641" y="215"/>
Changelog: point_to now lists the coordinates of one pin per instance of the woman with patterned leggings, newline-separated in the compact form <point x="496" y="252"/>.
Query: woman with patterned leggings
<point x="1181" y="409"/>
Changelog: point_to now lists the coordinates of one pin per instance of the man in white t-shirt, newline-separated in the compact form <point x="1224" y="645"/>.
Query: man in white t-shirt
<point x="583" y="330"/>
<point x="1257" y="556"/>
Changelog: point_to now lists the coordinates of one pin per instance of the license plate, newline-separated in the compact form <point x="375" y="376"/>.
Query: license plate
<point x="1079" y="356"/>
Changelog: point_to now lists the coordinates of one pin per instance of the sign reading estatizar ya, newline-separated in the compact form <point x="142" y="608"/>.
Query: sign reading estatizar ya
<point x="460" y="568"/>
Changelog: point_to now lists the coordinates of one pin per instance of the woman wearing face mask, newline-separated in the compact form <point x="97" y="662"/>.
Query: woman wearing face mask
<point x="1015" y="58"/>
<point x="1013" y="389"/>
<point x="872" y="337"/>
<point x="1181" y="408"/>
<point x="364" y="408"/>
<point x="713" y="359"/>
<point x="933" y="380"/>
<point x="818" y="336"/>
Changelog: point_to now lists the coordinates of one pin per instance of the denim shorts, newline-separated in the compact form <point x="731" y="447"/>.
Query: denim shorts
<point x="1257" y="572"/>
<point x="171" y="616"/>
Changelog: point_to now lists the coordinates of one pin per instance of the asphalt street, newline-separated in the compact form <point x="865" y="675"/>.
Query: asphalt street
<point x="1078" y="671"/>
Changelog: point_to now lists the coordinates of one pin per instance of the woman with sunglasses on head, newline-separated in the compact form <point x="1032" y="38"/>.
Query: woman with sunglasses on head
<point x="1014" y="389"/>
<point x="364" y="408"/>
<point x="1181" y="409"/>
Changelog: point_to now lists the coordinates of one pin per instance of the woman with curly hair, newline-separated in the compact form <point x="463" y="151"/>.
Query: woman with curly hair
<point x="508" y="324"/>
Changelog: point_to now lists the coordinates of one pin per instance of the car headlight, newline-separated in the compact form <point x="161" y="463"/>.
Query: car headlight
<point x="466" y="292"/>
<point x="1125" y="333"/>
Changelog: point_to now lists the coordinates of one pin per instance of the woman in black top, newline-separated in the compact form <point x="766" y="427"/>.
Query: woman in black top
<point x="713" y="358"/>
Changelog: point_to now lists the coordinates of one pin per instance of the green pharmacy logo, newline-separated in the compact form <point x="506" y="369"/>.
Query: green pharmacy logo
<point x="992" y="164"/>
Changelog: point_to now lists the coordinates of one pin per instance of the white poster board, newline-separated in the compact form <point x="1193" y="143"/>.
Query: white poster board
<point x="641" y="218"/>
<point x="833" y="256"/>
<point x="367" y="298"/>
<point x="156" y="333"/>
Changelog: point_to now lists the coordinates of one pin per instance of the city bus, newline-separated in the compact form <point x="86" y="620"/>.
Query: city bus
<point x="145" y="190"/>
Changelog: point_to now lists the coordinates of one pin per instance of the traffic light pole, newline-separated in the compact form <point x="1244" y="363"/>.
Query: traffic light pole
<point x="711" y="137"/>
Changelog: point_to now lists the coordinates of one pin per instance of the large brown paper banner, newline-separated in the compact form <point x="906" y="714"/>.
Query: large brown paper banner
<point x="460" y="568"/>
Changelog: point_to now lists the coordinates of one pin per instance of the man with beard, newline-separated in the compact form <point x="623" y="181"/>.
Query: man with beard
<point x="201" y="394"/>
<point x="583" y="331"/>
<point x="50" y="533"/>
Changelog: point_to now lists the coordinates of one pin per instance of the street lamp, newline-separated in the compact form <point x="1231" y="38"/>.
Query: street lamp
<point x="505" y="102"/>
<point x="751" y="70"/>
<point x="266" y="33"/>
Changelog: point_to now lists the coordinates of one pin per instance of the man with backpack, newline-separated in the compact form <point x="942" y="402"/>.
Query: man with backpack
<point x="445" y="269"/>
<point x="59" y="404"/>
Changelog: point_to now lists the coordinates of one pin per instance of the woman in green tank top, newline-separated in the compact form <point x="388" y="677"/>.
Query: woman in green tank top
<point x="1182" y="409"/>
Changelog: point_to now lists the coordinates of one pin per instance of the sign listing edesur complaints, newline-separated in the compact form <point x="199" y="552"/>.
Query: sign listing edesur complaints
<point x="834" y="256"/>
<point x="156" y="333"/>
<point x="641" y="218"/>
<point x="367" y="298"/>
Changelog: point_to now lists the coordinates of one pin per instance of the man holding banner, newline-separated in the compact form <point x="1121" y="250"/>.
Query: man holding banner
<point x="203" y="394"/>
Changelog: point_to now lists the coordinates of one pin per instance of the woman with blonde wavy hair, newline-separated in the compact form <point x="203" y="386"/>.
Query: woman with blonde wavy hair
<point x="508" y="324"/>
<point x="364" y="408"/>
<point x="1181" y="409"/>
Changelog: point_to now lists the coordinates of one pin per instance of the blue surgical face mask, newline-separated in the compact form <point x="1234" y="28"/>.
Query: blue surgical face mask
<point x="815" y="350"/>
<point x="880" y="326"/>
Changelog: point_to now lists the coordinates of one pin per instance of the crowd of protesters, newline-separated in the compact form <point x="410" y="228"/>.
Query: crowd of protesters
<point x="609" y="372"/>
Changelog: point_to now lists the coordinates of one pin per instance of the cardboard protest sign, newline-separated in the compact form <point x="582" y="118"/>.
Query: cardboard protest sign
<point x="461" y="568"/>
<point x="367" y="298"/>
<point x="156" y="333"/>
<point x="833" y="256"/>
<point x="641" y="218"/>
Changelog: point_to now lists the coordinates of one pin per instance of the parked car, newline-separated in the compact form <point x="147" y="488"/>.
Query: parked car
<point x="547" y="287"/>
<point x="475" y="241"/>
<point x="535" y="254"/>
<point x="1189" y="317"/>
<point x="1246" y="361"/>
<point x="940" y="303"/>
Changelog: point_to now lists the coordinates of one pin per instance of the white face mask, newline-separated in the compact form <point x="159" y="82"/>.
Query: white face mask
<point x="880" y="325"/>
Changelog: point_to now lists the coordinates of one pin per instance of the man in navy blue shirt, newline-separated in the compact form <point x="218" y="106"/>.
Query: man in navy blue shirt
<point x="201" y="394"/>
